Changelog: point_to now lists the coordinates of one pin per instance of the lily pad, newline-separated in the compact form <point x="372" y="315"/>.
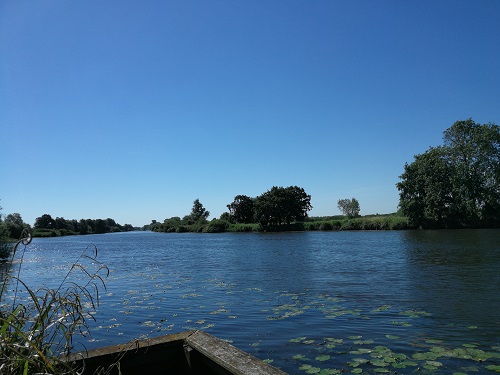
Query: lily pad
<point x="300" y="357"/>
<point x="434" y="363"/>
<point x="425" y="356"/>
<point x="363" y="342"/>
<point x="379" y="363"/>
<point x="494" y="368"/>
<point x="322" y="358"/>
<point x="329" y="371"/>
<point x="336" y="341"/>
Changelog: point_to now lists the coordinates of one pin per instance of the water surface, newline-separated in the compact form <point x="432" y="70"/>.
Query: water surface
<point x="311" y="302"/>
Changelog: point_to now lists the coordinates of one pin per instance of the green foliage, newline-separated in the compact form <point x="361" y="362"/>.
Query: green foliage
<point x="279" y="207"/>
<point x="198" y="211"/>
<point x="241" y="210"/>
<point x="455" y="185"/>
<point x="216" y="226"/>
<point x="45" y="226"/>
<point x="34" y="332"/>
<point x="379" y="222"/>
<point x="243" y="228"/>
<point x="349" y="207"/>
<point x="45" y="221"/>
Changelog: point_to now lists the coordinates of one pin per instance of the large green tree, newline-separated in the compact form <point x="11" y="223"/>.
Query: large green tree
<point x="281" y="206"/>
<point x="456" y="184"/>
<point x="241" y="210"/>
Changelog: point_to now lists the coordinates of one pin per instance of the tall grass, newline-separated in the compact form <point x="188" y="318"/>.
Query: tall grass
<point x="36" y="330"/>
<point x="386" y="222"/>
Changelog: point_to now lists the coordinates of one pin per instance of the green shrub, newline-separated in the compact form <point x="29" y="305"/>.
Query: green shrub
<point x="312" y="225"/>
<point x="352" y="224"/>
<point x="326" y="226"/>
<point x="399" y="223"/>
<point x="243" y="228"/>
<point x="216" y="226"/>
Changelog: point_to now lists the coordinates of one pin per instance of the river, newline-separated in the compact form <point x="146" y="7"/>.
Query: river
<point x="307" y="302"/>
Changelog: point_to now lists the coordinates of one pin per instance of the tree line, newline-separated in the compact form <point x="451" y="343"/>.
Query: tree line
<point x="61" y="226"/>
<point x="12" y="226"/>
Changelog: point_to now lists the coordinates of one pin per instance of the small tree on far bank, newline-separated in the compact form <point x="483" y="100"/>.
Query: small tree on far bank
<point x="349" y="207"/>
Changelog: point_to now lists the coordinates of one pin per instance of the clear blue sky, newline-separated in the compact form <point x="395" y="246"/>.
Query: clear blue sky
<point x="133" y="109"/>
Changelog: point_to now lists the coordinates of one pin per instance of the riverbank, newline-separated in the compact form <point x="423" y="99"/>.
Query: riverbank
<point x="327" y="223"/>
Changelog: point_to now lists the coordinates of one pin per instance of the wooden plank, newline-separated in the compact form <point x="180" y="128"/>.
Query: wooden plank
<point x="164" y="354"/>
<point x="228" y="357"/>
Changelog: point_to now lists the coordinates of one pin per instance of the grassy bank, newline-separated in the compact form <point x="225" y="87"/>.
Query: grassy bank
<point x="328" y="223"/>
<point x="372" y="222"/>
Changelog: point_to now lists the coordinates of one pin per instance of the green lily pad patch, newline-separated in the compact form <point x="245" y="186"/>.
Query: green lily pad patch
<point x="310" y="369"/>
<point x="363" y="342"/>
<point x="300" y="357"/>
<point x="322" y="358"/>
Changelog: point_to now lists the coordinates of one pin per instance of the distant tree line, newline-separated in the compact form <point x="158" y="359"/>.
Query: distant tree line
<point x="45" y="225"/>
<point x="457" y="184"/>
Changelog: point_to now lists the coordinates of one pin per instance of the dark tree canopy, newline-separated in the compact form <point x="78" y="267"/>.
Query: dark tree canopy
<point x="349" y="207"/>
<point x="45" y="221"/>
<point x="282" y="206"/>
<point x="241" y="210"/>
<point x="458" y="184"/>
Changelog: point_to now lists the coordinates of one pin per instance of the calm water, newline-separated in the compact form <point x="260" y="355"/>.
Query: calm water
<point x="313" y="302"/>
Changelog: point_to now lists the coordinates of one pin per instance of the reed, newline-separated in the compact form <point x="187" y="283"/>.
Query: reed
<point x="35" y="331"/>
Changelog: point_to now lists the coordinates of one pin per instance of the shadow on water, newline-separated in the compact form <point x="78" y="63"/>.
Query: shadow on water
<point x="456" y="274"/>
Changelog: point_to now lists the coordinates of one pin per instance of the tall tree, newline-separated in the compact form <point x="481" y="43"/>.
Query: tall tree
<point x="349" y="207"/>
<point x="241" y="210"/>
<point x="198" y="211"/>
<point x="457" y="184"/>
